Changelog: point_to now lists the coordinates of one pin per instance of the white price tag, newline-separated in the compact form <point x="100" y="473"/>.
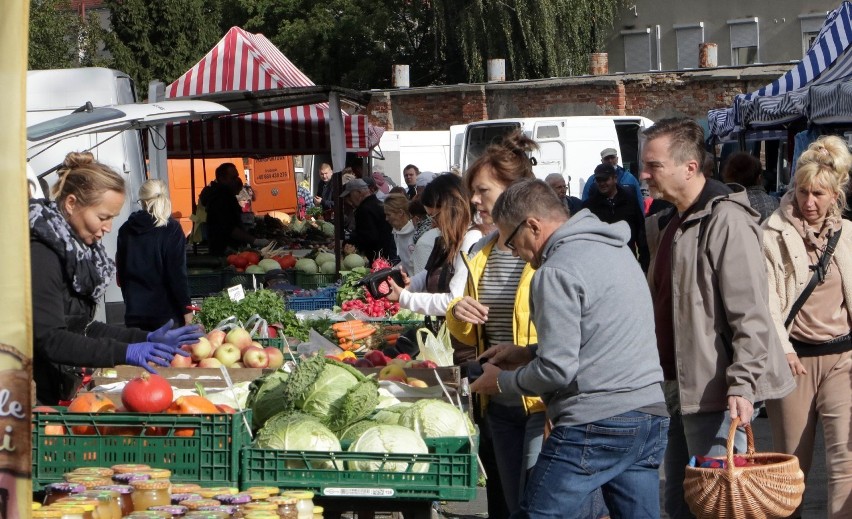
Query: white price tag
<point x="358" y="492"/>
<point x="236" y="293"/>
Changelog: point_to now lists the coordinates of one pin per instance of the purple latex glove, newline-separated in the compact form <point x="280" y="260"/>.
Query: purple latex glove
<point x="188" y="334"/>
<point x="141" y="353"/>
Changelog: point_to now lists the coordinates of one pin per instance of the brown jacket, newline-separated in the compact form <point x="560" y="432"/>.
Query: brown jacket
<point x="725" y="341"/>
<point x="787" y="262"/>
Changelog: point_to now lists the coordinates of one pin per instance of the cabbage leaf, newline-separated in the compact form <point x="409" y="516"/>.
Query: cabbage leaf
<point x="384" y="439"/>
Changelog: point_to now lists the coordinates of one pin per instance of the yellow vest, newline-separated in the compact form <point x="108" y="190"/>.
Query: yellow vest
<point x="523" y="330"/>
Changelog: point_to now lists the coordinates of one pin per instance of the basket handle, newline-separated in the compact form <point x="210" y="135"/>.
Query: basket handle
<point x="732" y="434"/>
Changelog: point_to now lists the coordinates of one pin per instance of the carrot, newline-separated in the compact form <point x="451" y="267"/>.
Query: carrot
<point x="347" y="345"/>
<point x="357" y="334"/>
<point x="346" y="324"/>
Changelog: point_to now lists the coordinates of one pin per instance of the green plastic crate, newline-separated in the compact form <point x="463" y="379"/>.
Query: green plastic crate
<point x="211" y="456"/>
<point x="204" y="283"/>
<point x="451" y="476"/>
<point x="312" y="281"/>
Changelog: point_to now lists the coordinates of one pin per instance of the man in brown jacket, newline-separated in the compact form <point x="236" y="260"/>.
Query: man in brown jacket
<point x="719" y="351"/>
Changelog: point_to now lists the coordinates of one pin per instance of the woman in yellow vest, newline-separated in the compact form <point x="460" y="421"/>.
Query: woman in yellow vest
<point x="494" y="310"/>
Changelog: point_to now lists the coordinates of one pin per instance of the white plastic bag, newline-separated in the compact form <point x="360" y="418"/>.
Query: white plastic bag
<point x="437" y="348"/>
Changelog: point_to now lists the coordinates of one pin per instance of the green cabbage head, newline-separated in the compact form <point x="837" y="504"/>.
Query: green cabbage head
<point x="384" y="439"/>
<point x="432" y="418"/>
<point x="298" y="432"/>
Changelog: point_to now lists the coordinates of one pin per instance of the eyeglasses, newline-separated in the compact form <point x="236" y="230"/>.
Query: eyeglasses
<point x="508" y="243"/>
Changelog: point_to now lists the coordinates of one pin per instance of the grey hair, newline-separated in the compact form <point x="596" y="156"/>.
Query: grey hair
<point x="554" y="176"/>
<point x="526" y="198"/>
<point x="154" y="197"/>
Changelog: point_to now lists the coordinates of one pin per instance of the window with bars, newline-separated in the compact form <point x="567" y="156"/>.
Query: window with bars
<point x="811" y="25"/>
<point x="688" y="37"/>
<point x="637" y="50"/>
<point x="745" y="41"/>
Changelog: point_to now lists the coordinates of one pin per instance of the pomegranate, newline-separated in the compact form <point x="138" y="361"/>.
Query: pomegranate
<point x="147" y="393"/>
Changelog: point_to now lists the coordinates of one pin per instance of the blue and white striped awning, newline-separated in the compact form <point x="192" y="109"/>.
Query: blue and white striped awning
<point x="830" y="103"/>
<point x="784" y="100"/>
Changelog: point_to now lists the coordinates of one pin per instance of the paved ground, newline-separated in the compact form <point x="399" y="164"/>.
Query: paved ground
<point x="815" y="488"/>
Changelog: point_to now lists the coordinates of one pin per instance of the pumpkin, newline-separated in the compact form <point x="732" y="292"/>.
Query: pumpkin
<point x="147" y="393"/>
<point x="191" y="404"/>
<point x="49" y="428"/>
<point x="89" y="403"/>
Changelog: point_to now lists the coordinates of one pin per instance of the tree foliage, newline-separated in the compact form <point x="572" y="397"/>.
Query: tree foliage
<point x="60" y="39"/>
<point x="160" y="40"/>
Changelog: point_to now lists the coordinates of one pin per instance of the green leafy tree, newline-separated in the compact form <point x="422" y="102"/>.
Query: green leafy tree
<point x="160" y="40"/>
<point x="59" y="38"/>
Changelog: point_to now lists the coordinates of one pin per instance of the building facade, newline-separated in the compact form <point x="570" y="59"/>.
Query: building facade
<point x="650" y="35"/>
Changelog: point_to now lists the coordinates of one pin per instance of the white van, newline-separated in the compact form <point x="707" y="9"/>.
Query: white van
<point x="67" y="111"/>
<point x="570" y="146"/>
<point x="428" y="150"/>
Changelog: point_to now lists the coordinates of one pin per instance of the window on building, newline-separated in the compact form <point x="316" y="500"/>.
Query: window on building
<point x="637" y="50"/>
<point x="811" y="24"/>
<point x="745" y="41"/>
<point x="689" y="37"/>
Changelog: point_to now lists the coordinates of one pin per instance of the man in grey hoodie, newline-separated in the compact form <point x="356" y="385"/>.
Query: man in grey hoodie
<point x="595" y="365"/>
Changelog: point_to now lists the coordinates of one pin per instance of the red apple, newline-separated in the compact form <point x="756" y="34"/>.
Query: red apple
<point x="216" y="338"/>
<point x="427" y="364"/>
<point x="352" y="361"/>
<point x="276" y="358"/>
<point x="255" y="357"/>
<point x="363" y="363"/>
<point x="403" y="356"/>
<point x="239" y="338"/>
<point x="227" y="354"/>
<point x="210" y="362"/>
<point x="201" y="349"/>
<point x="377" y="358"/>
<point x="272" y="332"/>
<point x="179" y="361"/>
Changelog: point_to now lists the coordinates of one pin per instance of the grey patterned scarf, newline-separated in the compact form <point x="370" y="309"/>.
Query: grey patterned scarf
<point x="88" y="267"/>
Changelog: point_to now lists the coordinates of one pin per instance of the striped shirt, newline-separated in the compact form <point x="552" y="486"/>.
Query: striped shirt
<point x="497" y="290"/>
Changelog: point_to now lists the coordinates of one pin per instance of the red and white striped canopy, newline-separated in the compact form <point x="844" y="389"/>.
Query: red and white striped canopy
<point x="245" y="61"/>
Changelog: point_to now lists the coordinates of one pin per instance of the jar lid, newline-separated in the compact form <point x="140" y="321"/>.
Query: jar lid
<point x="88" y="481"/>
<point x="208" y="493"/>
<point x="151" y="484"/>
<point x="260" y="506"/>
<point x="224" y="490"/>
<point x="282" y="500"/>
<point x="272" y="491"/>
<point x="124" y="468"/>
<point x="36" y="506"/>
<point x="169" y="509"/>
<point x="318" y="510"/>
<point x="299" y="494"/>
<point x="103" y="472"/>
<point x="121" y="489"/>
<point x="148" y="514"/>
<point x="127" y="477"/>
<point x="234" y="499"/>
<point x="205" y="514"/>
<point x="64" y="486"/>
<point x="157" y="473"/>
<point x="228" y="509"/>
<point x="261" y="514"/>
<point x="195" y="504"/>
<point x="102" y="495"/>
<point x="258" y="495"/>
<point x="47" y="512"/>
<point x="185" y="488"/>
<point x="188" y="496"/>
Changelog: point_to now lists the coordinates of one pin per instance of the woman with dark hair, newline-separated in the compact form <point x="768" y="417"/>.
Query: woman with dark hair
<point x="71" y="271"/>
<point x="744" y="169"/>
<point x="430" y="291"/>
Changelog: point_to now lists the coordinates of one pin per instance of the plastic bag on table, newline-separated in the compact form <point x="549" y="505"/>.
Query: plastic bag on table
<point x="435" y="347"/>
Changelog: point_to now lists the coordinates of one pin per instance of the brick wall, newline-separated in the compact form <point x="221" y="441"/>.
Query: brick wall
<point x="653" y="95"/>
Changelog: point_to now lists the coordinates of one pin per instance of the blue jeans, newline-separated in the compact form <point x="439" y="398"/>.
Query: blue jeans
<point x="700" y="434"/>
<point x="620" y="455"/>
<point x="517" y="442"/>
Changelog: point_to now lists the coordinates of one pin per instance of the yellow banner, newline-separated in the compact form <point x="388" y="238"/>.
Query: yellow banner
<point x="15" y="299"/>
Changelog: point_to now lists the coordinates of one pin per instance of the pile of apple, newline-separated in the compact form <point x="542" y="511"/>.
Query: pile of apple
<point x="392" y="369"/>
<point x="234" y="349"/>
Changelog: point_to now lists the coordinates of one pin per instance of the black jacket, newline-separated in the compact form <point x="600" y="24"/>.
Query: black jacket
<point x="325" y="190"/>
<point x="151" y="263"/>
<point x="622" y="207"/>
<point x="373" y="235"/>
<point x="64" y="332"/>
<point x="223" y="216"/>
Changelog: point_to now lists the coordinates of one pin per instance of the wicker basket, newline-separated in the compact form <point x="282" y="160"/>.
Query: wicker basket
<point x="771" y="488"/>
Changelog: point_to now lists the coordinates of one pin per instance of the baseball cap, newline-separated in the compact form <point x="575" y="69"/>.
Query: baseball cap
<point x="424" y="178"/>
<point x="609" y="152"/>
<point x="604" y="171"/>
<point x="353" y="185"/>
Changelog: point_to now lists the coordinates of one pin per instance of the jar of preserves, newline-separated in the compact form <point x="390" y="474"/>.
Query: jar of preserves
<point x="150" y="493"/>
<point x="304" y="502"/>
<point x="125" y="500"/>
<point x="55" y="491"/>
<point x="286" y="507"/>
<point x="69" y="511"/>
<point x="178" y="498"/>
<point x="157" y="473"/>
<point x="272" y="491"/>
<point x="102" y="472"/>
<point x="176" y="511"/>
<point x="210" y="493"/>
<point x="126" y="468"/>
<point x="88" y="481"/>
<point x="108" y="505"/>
<point x="238" y="501"/>
<point x="126" y="478"/>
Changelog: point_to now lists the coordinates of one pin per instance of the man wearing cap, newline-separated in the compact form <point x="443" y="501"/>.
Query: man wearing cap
<point x="613" y="203"/>
<point x="373" y="235"/>
<point x="625" y="178"/>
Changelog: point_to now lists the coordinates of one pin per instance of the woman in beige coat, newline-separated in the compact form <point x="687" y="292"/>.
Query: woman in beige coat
<point x="817" y="341"/>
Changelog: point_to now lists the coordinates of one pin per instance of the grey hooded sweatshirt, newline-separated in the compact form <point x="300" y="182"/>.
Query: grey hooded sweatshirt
<point x="597" y="353"/>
